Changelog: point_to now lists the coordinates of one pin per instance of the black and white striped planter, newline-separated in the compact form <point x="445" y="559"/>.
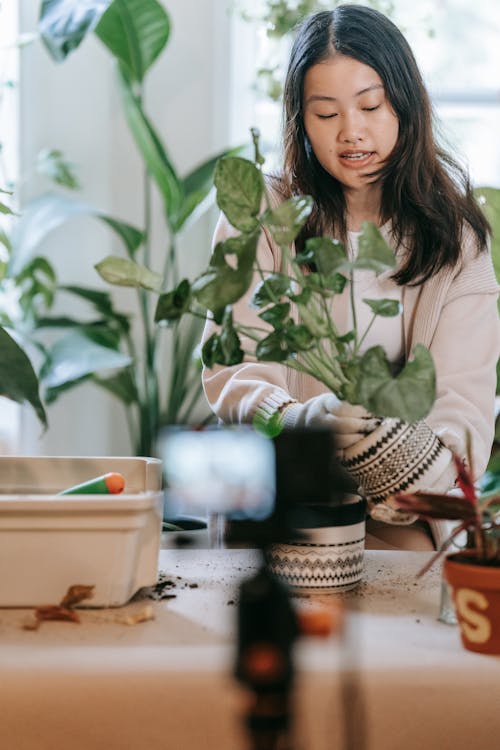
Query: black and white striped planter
<point x="326" y="558"/>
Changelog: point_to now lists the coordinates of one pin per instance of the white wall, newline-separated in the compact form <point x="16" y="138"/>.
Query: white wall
<point x="75" y="107"/>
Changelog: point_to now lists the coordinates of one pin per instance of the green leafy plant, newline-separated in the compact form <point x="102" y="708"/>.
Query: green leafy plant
<point x="478" y="515"/>
<point x="18" y="380"/>
<point x="311" y="343"/>
<point x="102" y="346"/>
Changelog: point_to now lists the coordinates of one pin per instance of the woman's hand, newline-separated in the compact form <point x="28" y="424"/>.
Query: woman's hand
<point x="349" y="423"/>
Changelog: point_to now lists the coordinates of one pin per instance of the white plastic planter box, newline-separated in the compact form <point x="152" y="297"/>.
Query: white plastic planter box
<point x="49" y="542"/>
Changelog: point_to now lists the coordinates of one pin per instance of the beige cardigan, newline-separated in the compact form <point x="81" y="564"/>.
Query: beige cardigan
<point x="454" y="314"/>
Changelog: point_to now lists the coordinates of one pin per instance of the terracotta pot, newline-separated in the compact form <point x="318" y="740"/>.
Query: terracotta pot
<point x="476" y="594"/>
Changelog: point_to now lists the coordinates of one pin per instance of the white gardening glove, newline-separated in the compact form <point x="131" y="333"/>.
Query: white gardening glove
<point x="349" y="423"/>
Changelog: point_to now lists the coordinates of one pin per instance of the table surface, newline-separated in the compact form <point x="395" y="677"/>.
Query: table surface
<point x="167" y="682"/>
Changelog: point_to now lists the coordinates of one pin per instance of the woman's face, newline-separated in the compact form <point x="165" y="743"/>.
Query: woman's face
<point x="348" y="119"/>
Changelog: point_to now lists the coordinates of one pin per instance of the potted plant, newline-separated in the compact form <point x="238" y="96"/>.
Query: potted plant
<point x="153" y="373"/>
<point x="474" y="572"/>
<point x="308" y="342"/>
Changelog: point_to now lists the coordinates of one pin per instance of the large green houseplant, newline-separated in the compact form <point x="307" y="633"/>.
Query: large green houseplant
<point x="311" y="343"/>
<point x="103" y="346"/>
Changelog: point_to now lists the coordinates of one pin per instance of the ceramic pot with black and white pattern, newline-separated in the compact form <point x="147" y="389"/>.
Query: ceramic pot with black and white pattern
<point x="327" y="554"/>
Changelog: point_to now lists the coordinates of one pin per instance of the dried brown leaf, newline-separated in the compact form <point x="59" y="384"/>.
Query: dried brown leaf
<point x="76" y="594"/>
<point x="64" y="611"/>
<point x="56" y="612"/>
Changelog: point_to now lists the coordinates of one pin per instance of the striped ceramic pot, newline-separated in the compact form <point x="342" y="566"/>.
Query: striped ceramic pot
<point x="327" y="555"/>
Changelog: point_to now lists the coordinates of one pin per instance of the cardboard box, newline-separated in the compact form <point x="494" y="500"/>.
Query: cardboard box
<point x="49" y="542"/>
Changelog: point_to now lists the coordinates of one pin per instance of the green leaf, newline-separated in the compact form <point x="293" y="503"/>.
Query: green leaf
<point x="131" y="236"/>
<point x="409" y="396"/>
<point x="277" y="314"/>
<point x="325" y="253"/>
<point x="45" y="214"/>
<point x="196" y="190"/>
<point x="324" y="285"/>
<point x="334" y="283"/>
<point x="63" y="24"/>
<point x="52" y="164"/>
<point x="120" y="385"/>
<point x="38" y="267"/>
<point x="152" y="151"/>
<point x="299" y="337"/>
<point x="224" y="348"/>
<point x="270" y="289"/>
<point x="17" y="377"/>
<point x="100" y="300"/>
<point x="172" y="305"/>
<point x="76" y="355"/>
<point x="125" y="272"/>
<point x="386" y="308"/>
<point x="59" y="321"/>
<point x="240" y="189"/>
<point x="211" y="352"/>
<point x="286" y="221"/>
<point x="5" y="209"/>
<point x="273" y="348"/>
<point x="39" y="218"/>
<point x="102" y="303"/>
<point x="135" y="32"/>
<point x="316" y="325"/>
<point x="373" y="251"/>
<point x="223" y="284"/>
<point x="37" y="282"/>
<point x="347" y="337"/>
<point x="5" y="241"/>
<point x="52" y="394"/>
<point x="230" y="342"/>
<point x="303" y="297"/>
<point x="243" y="248"/>
<point x="258" y="157"/>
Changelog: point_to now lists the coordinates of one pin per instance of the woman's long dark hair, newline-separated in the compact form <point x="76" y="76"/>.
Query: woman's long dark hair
<point x="425" y="193"/>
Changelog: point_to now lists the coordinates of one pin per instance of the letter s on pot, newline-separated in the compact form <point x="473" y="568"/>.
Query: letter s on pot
<point x="475" y="626"/>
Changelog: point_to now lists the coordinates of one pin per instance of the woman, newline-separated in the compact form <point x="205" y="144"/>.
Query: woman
<point x="358" y="138"/>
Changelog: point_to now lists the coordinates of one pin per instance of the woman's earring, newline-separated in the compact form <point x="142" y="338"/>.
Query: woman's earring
<point x="308" y="148"/>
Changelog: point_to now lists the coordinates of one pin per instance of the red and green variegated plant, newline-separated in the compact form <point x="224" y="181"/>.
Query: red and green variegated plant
<point x="477" y="515"/>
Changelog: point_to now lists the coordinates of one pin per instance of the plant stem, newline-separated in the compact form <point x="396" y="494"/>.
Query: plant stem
<point x="148" y="404"/>
<point x="320" y="370"/>
<point x="353" y="309"/>
<point x="170" y="410"/>
<point x="358" y="344"/>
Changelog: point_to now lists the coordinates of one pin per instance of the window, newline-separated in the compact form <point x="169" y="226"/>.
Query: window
<point x="456" y="46"/>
